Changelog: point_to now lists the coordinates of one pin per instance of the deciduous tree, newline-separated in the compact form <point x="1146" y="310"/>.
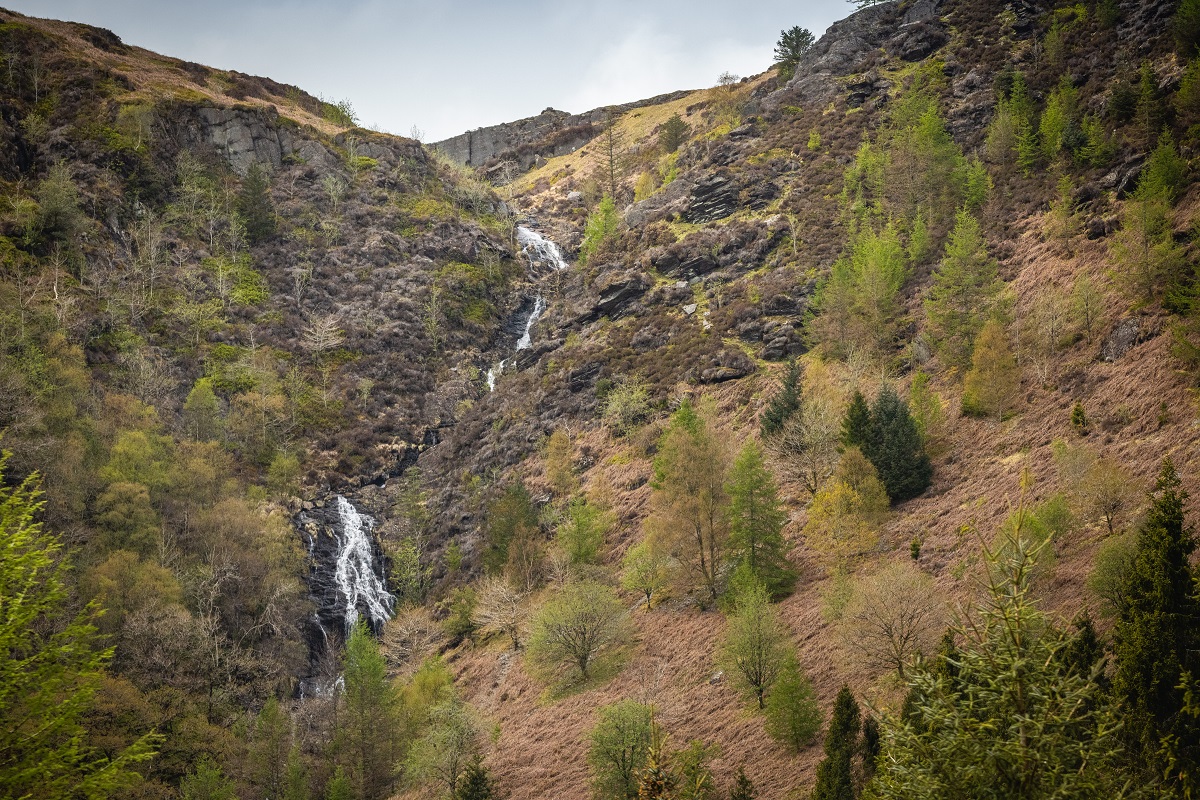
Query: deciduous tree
<point x="583" y="624"/>
<point x="756" y="646"/>
<point x="619" y="745"/>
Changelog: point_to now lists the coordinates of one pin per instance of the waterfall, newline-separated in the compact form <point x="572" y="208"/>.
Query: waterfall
<point x="539" y="250"/>
<point x="539" y="307"/>
<point x="358" y="577"/>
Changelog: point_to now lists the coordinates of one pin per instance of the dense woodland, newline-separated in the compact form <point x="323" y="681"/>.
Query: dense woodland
<point x="851" y="458"/>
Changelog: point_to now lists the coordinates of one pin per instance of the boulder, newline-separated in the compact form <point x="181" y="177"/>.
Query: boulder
<point x="1124" y="337"/>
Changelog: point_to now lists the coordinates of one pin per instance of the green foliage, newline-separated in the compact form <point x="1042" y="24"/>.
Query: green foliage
<point x="1186" y="27"/>
<point x="914" y="166"/>
<point x="756" y="519"/>
<point x="835" y="773"/>
<point x="742" y="788"/>
<point x="59" y="220"/>
<point x="208" y="782"/>
<point x="581" y="535"/>
<point x="582" y="627"/>
<point x="792" y="45"/>
<point x="51" y="668"/>
<point x="626" y="406"/>
<point x="793" y="715"/>
<point x="784" y="404"/>
<point x="367" y="742"/>
<point x="1058" y="131"/>
<point x="673" y="134"/>
<point x="689" y="506"/>
<point x="601" y="229"/>
<point x="755" y="648"/>
<point x="859" y="303"/>
<point x="619" y="746"/>
<point x="511" y="517"/>
<point x="994" y="380"/>
<point x="894" y="447"/>
<point x="202" y="411"/>
<point x="1007" y="715"/>
<point x="450" y="745"/>
<point x="254" y="205"/>
<point x="1079" y="420"/>
<point x="460" y="619"/>
<point x="476" y="783"/>
<point x="1157" y="635"/>
<point x="646" y="569"/>
<point x="1165" y="173"/>
<point x="963" y="291"/>
<point x="1146" y="257"/>
<point x="694" y="777"/>
<point x="339" y="112"/>
<point x="856" y="425"/>
<point x="927" y="411"/>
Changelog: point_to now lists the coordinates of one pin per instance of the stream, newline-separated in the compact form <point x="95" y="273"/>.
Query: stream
<point x="542" y="254"/>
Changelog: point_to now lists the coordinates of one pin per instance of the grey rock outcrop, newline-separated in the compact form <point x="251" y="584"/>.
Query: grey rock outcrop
<point x="248" y="135"/>
<point x="910" y="32"/>
<point x="518" y="146"/>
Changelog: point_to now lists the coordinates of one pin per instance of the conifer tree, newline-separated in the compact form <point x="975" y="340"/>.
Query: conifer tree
<point x="792" y="45"/>
<point x="964" y="289"/>
<point x="756" y="521"/>
<point x="367" y="743"/>
<point x="1006" y="716"/>
<point x="689" y="503"/>
<point x="674" y="133"/>
<point x="894" y="447"/>
<point x="856" y="425"/>
<point x="784" y="404"/>
<point x="254" y="205"/>
<point x="1156" y="642"/>
<point x="835" y="774"/>
<point x="476" y="782"/>
<point x="50" y="667"/>
<point x="742" y="789"/>
<point x="793" y="716"/>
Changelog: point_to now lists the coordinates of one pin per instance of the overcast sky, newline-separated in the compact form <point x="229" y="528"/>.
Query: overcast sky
<point x="447" y="66"/>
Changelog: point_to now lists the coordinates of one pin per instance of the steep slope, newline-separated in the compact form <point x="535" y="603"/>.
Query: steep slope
<point x="712" y="277"/>
<point x="226" y="305"/>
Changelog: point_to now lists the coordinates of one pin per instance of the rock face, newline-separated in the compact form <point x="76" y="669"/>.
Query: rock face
<point x="911" y="34"/>
<point x="251" y="135"/>
<point x="519" y="146"/>
<point x="713" y="197"/>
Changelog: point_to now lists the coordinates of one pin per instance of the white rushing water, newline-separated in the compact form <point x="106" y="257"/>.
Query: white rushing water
<point x="355" y="573"/>
<point x="539" y="250"/>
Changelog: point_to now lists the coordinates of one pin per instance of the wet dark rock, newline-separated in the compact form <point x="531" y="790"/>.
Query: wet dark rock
<point x="581" y="378"/>
<point x="617" y="289"/>
<point x="713" y="197"/>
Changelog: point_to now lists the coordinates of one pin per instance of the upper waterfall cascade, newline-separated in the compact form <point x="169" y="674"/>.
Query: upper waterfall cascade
<point x="541" y="253"/>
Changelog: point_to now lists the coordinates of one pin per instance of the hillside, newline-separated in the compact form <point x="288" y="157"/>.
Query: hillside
<point x="234" y="321"/>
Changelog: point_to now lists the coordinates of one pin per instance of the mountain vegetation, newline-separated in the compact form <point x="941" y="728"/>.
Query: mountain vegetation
<point x="848" y="456"/>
